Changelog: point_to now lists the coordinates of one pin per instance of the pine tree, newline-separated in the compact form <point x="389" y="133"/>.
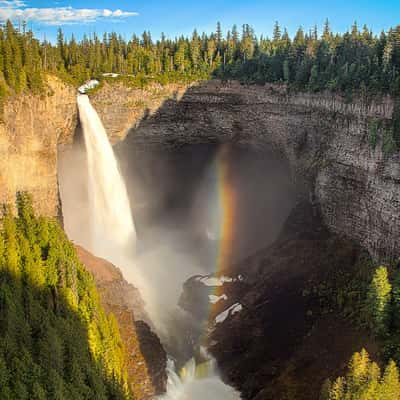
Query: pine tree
<point x="276" y="37"/>
<point x="195" y="50"/>
<point x="286" y="71"/>
<point x="49" y="307"/>
<point x="363" y="381"/>
<point x="390" y="386"/>
<point x="379" y="298"/>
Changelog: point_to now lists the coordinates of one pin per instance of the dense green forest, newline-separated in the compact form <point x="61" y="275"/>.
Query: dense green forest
<point x="56" y="342"/>
<point x="356" y="60"/>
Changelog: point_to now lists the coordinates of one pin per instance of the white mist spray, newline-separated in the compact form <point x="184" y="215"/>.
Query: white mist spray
<point x="113" y="237"/>
<point x="112" y="225"/>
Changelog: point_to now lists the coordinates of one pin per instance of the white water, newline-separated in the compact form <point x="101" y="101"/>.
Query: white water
<point x="113" y="237"/>
<point x="111" y="224"/>
<point x="199" y="382"/>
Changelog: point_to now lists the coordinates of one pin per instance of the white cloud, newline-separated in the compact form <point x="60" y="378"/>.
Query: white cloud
<point x="17" y="10"/>
<point x="12" y="3"/>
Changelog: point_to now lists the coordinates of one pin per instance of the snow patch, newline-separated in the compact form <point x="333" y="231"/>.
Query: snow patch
<point x="214" y="280"/>
<point x="88" y="86"/>
<point x="233" y="309"/>
<point x="215" y="299"/>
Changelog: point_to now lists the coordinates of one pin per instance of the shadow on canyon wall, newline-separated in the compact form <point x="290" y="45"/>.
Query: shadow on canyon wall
<point x="172" y="172"/>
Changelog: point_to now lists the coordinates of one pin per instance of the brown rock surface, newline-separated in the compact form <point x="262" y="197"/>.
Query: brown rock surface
<point x="30" y="132"/>
<point x="122" y="108"/>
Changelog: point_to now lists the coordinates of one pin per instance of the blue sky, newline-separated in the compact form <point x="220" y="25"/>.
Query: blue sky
<point x="174" y="17"/>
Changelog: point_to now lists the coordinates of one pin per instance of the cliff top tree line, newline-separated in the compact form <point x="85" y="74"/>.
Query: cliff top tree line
<point x="356" y="60"/>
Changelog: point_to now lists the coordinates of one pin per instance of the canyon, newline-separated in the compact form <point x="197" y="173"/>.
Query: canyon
<point x="347" y="197"/>
<point x="324" y="139"/>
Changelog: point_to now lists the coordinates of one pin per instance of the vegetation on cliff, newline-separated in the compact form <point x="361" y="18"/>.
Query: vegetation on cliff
<point x="56" y="341"/>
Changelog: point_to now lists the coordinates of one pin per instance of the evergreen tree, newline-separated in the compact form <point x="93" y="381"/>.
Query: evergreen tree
<point x="363" y="381"/>
<point x="49" y="307"/>
<point x="353" y="62"/>
<point x="379" y="298"/>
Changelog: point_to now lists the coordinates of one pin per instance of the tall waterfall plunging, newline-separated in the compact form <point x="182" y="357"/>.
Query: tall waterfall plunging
<point x="113" y="237"/>
<point x="112" y="226"/>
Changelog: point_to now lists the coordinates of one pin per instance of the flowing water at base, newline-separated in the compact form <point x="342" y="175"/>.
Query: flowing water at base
<point x="197" y="382"/>
<point x="113" y="237"/>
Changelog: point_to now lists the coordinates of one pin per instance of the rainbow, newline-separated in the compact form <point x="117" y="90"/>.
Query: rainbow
<point x="223" y="215"/>
<point x="227" y="204"/>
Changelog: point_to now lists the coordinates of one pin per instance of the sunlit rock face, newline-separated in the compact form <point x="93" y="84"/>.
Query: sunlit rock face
<point x="31" y="130"/>
<point x="122" y="108"/>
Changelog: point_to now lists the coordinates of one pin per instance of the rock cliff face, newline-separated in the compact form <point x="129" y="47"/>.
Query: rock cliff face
<point x="325" y="140"/>
<point x="123" y="108"/>
<point x="31" y="129"/>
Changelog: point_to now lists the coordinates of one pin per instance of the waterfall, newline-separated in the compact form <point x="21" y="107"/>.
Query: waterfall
<point x="111" y="223"/>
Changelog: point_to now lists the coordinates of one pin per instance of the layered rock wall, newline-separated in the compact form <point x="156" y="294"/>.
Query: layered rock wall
<point x="122" y="108"/>
<point x="32" y="127"/>
<point x="325" y="140"/>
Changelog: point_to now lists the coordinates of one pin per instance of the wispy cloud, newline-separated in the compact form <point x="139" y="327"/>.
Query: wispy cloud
<point x="12" y="3"/>
<point x="18" y="10"/>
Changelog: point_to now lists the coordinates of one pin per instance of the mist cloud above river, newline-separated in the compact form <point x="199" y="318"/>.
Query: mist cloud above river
<point x="170" y="195"/>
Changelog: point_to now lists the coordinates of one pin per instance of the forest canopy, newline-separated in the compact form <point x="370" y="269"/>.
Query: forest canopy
<point x="356" y="60"/>
<point x="56" y="341"/>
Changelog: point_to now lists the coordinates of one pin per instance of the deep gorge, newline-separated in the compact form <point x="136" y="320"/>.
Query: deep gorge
<point x="311" y="151"/>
